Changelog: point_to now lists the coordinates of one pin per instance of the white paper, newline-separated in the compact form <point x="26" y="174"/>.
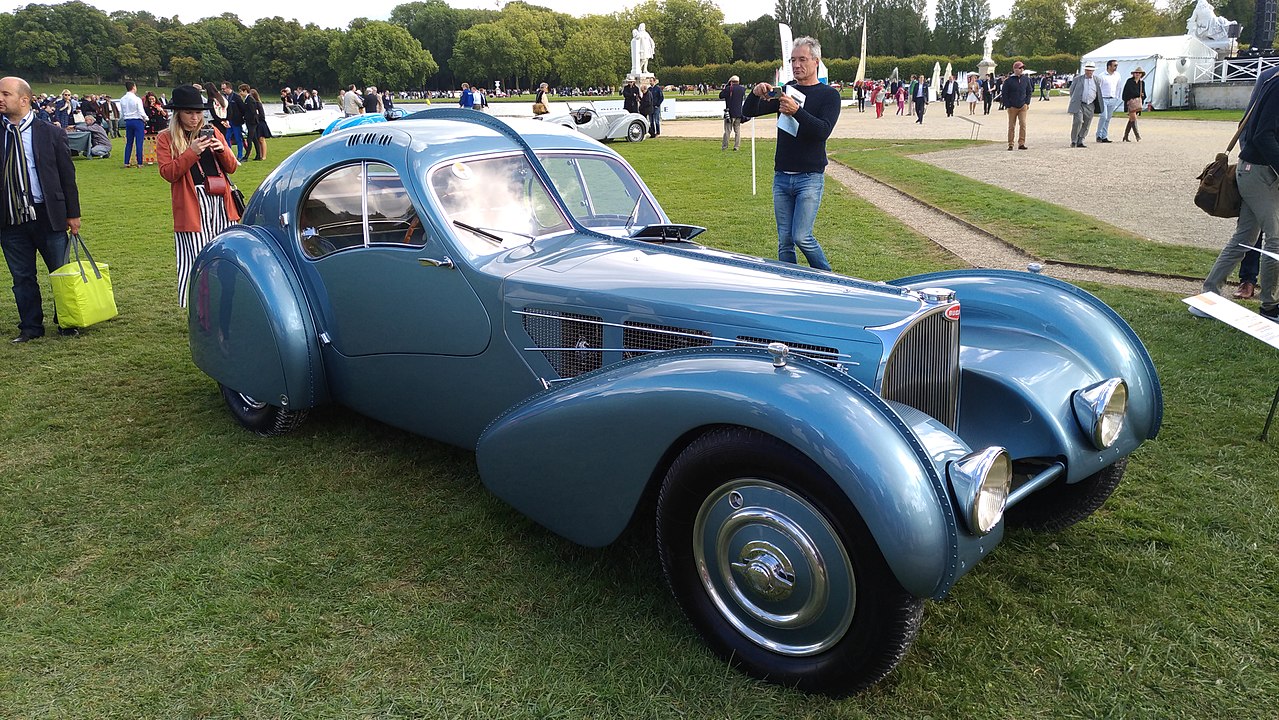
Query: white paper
<point x="787" y="122"/>
<point x="1236" y="316"/>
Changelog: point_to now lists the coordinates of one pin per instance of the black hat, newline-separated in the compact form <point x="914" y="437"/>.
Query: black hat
<point x="185" y="97"/>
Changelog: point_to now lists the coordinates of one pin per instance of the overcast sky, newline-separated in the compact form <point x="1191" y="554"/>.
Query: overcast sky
<point x="339" y="14"/>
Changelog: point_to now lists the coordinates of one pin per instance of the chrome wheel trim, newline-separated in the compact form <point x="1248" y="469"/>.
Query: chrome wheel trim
<point x="249" y="403"/>
<point x="634" y="132"/>
<point x="774" y="567"/>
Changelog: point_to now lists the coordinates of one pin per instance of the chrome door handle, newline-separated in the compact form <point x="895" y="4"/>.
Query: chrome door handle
<point x="445" y="262"/>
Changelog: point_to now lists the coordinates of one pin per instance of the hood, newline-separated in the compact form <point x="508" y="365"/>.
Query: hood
<point x="710" y="287"/>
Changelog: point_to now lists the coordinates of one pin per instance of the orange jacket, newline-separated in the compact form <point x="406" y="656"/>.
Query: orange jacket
<point x="177" y="170"/>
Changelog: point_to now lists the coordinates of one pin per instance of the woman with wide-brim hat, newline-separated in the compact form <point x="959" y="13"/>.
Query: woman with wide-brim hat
<point x="1134" y="97"/>
<point x="197" y="162"/>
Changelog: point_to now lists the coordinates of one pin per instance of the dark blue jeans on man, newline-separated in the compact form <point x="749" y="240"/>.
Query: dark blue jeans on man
<point x="796" y="197"/>
<point x="20" y="244"/>
<point x="235" y="140"/>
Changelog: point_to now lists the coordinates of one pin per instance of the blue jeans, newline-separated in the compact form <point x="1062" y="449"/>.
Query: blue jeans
<point x="1109" y="106"/>
<point x="134" y="131"/>
<point x="20" y="244"/>
<point x="235" y="139"/>
<point x="655" y="122"/>
<point x="796" y="198"/>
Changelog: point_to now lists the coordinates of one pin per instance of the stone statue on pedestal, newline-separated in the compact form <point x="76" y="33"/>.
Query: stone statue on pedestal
<point x="642" y="49"/>
<point x="1205" y="24"/>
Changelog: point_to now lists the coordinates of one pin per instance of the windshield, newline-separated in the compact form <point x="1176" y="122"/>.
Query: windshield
<point x="495" y="203"/>
<point x="601" y="192"/>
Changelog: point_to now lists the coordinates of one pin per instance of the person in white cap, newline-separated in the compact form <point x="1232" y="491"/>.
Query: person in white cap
<point x="1085" y="99"/>
<point x="733" y="96"/>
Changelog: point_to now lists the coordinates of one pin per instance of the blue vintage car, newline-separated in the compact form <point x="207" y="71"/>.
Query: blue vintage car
<point x="817" y="454"/>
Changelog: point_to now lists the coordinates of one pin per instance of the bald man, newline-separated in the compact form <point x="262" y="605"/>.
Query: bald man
<point x="39" y="201"/>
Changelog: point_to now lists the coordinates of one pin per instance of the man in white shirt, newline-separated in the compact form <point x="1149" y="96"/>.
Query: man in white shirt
<point x="1111" y="84"/>
<point x="135" y="122"/>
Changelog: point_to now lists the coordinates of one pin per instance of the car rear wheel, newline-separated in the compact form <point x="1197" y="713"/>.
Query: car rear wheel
<point x="635" y="133"/>
<point x="776" y="569"/>
<point x="1061" y="505"/>
<point x="263" y="419"/>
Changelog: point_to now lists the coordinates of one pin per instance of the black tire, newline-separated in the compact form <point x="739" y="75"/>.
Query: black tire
<point x="635" y="132"/>
<point x="263" y="419"/>
<point x="741" y="496"/>
<point x="1061" y="505"/>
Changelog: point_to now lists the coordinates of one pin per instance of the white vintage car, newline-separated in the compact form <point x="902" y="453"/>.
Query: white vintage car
<point x="602" y="124"/>
<point x="301" y="123"/>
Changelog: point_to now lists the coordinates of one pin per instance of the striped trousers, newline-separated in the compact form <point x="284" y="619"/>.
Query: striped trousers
<point x="213" y="220"/>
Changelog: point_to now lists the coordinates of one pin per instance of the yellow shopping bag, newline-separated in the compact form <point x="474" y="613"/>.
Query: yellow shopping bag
<point x="82" y="289"/>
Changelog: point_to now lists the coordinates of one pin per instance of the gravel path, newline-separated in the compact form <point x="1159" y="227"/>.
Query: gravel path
<point x="1145" y="187"/>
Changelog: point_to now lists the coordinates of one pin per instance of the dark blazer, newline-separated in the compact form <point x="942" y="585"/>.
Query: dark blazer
<point x="57" y="174"/>
<point x="235" y="109"/>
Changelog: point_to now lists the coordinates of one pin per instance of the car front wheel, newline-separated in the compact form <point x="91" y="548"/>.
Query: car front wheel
<point x="776" y="569"/>
<point x="635" y="133"/>
<point x="263" y="419"/>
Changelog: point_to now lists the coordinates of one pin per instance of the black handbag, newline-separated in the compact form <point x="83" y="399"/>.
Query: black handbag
<point x="237" y="197"/>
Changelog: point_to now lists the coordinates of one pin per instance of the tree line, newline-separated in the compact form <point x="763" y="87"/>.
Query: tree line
<point x="430" y="45"/>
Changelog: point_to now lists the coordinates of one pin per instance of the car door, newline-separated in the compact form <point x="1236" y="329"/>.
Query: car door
<point x="386" y="285"/>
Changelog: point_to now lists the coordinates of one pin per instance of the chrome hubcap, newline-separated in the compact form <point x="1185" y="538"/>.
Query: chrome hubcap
<point x="774" y="567"/>
<point x="766" y="570"/>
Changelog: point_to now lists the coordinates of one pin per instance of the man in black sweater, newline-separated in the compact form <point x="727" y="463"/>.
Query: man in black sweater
<point x="807" y="113"/>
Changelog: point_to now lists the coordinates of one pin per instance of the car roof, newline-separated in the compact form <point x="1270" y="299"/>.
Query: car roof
<point x="450" y="135"/>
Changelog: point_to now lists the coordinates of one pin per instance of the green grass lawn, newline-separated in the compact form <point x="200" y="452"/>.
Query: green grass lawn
<point x="1233" y="116"/>
<point x="159" y="562"/>
<point x="1045" y="230"/>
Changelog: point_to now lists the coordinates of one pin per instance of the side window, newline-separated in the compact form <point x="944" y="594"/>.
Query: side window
<point x="358" y="206"/>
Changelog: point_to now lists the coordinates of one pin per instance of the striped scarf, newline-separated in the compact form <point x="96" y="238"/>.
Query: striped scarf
<point x="19" y="207"/>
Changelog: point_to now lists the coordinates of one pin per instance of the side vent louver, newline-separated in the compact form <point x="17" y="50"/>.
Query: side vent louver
<point x="368" y="139"/>
<point x="650" y="337"/>
<point x="828" y="355"/>
<point x="566" y="340"/>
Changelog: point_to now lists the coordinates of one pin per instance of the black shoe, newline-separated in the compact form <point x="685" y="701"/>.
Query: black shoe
<point x="68" y="332"/>
<point x="1074" y="144"/>
<point x="1272" y="314"/>
<point x="1103" y="140"/>
<point x="24" y="336"/>
<point x="1081" y="145"/>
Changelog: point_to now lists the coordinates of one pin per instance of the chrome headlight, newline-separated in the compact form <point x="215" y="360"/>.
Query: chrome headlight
<point x="1100" y="411"/>
<point x="980" y="481"/>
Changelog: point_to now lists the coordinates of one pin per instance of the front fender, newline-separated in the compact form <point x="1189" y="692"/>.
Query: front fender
<point x="250" y="327"/>
<point x="1028" y="342"/>
<point x="577" y="458"/>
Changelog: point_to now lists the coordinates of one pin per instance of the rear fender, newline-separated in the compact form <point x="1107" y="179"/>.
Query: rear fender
<point x="250" y="327"/>
<point x="578" y="457"/>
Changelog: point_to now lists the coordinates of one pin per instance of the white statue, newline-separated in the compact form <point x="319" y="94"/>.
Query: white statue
<point x="641" y="50"/>
<point x="986" y="48"/>
<point x="1205" y="24"/>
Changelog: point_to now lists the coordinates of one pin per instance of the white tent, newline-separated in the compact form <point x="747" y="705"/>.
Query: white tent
<point x="1163" y="59"/>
